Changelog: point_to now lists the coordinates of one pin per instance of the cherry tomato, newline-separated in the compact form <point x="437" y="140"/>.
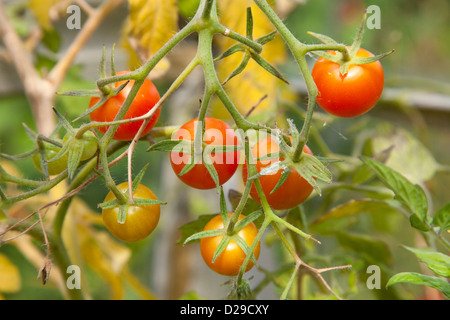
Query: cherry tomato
<point x="230" y="260"/>
<point x="54" y="165"/>
<point x="291" y="193"/>
<point x="217" y="132"/>
<point x="352" y="94"/>
<point x="145" y="100"/>
<point x="90" y="144"/>
<point x="141" y="220"/>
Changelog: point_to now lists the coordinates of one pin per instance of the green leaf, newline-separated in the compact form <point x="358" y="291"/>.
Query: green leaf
<point x="420" y="279"/>
<point x="437" y="262"/>
<point x="343" y="215"/>
<point x="193" y="227"/>
<point x="373" y="250"/>
<point x="400" y="144"/>
<point x="442" y="218"/>
<point x="417" y="223"/>
<point x="410" y="195"/>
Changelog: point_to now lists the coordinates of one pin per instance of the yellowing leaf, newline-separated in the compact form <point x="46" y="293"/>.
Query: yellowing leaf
<point x="97" y="249"/>
<point x="151" y="23"/>
<point x="247" y="88"/>
<point x="41" y="10"/>
<point x="9" y="275"/>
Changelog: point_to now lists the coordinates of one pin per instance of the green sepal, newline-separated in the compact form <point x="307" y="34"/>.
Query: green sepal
<point x="323" y="38"/>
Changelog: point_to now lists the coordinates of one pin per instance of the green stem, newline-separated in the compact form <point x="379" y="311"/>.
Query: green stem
<point x="299" y="51"/>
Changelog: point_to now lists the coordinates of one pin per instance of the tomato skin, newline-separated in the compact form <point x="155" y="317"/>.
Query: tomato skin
<point x="229" y="262"/>
<point x="145" y="100"/>
<point x="352" y="94"/>
<point x="217" y="132"/>
<point x="291" y="193"/>
<point x="140" y="221"/>
<point x="55" y="166"/>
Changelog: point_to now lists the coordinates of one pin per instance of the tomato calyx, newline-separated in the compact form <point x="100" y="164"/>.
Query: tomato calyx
<point x="77" y="144"/>
<point x="310" y="167"/>
<point x="229" y="231"/>
<point x="123" y="201"/>
<point x="201" y="150"/>
<point x="348" y="56"/>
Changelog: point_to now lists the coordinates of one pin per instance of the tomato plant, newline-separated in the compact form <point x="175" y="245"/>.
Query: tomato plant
<point x="144" y="101"/>
<point x="140" y="220"/>
<point x="350" y="94"/>
<point x="292" y="192"/>
<point x="217" y="133"/>
<point x="230" y="260"/>
<point x="232" y="97"/>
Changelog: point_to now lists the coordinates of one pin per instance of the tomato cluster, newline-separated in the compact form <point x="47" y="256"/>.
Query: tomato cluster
<point x="210" y="156"/>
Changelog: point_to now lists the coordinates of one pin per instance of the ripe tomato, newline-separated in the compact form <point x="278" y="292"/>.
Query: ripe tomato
<point x="232" y="257"/>
<point x="352" y="94"/>
<point x="54" y="166"/>
<point x="144" y="101"/>
<point x="291" y="193"/>
<point x="217" y="132"/>
<point x="141" y="220"/>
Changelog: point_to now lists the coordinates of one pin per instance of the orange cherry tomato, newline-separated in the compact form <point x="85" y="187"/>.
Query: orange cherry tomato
<point x="141" y="220"/>
<point x="291" y="193"/>
<point x="230" y="260"/>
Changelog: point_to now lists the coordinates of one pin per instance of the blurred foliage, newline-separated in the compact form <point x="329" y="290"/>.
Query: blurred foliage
<point x="350" y="225"/>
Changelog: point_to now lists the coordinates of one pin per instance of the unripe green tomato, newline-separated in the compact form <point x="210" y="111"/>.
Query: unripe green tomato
<point x="90" y="144"/>
<point x="55" y="166"/>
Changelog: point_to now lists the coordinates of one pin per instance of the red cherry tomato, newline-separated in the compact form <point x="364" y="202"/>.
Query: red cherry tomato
<point x="145" y="100"/>
<point x="230" y="260"/>
<point x="217" y="132"/>
<point x="291" y="193"/>
<point x="352" y="94"/>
